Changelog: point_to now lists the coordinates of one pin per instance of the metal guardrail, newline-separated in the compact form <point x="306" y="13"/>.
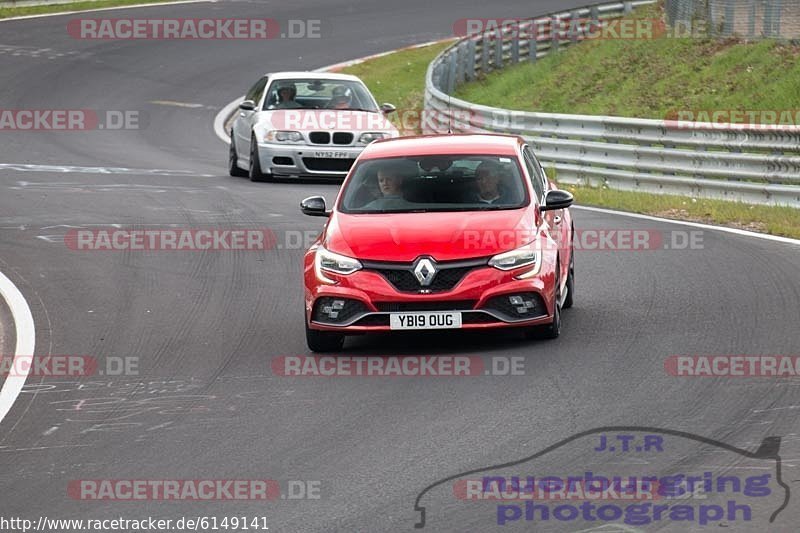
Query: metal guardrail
<point x="748" y="163"/>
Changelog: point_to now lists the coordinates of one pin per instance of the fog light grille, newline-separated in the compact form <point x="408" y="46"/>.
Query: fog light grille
<point x="336" y="310"/>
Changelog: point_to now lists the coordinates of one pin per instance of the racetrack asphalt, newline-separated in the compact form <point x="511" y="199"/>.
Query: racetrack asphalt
<point x="206" y="326"/>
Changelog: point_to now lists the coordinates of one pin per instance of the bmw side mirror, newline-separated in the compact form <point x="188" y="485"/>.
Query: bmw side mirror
<point x="557" y="199"/>
<point x="388" y="108"/>
<point x="247" y="105"/>
<point x="314" y="206"/>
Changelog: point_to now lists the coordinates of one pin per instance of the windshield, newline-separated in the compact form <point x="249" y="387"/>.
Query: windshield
<point x="319" y="94"/>
<point x="434" y="183"/>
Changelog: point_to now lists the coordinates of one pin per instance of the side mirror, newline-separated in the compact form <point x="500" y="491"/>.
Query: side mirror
<point x="314" y="206"/>
<point x="557" y="199"/>
<point x="388" y="108"/>
<point x="247" y="105"/>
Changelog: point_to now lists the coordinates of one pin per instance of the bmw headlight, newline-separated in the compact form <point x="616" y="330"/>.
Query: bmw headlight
<point x="368" y="137"/>
<point x="283" y="136"/>
<point x="529" y="255"/>
<point x="327" y="261"/>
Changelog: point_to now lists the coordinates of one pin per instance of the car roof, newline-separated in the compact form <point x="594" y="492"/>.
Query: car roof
<point x="311" y="76"/>
<point x="456" y="143"/>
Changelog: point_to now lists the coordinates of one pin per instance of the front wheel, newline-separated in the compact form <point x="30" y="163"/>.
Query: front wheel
<point x="255" y="172"/>
<point x="323" y="341"/>
<point x="553" y="329"/>
<point x="233" y="162"/>
<point x="568" y="301"/>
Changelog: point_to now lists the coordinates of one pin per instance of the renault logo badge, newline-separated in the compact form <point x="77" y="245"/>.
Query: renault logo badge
<point x="424" y="271"/>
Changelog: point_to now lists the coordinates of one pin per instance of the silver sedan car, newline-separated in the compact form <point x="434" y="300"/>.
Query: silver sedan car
<point x="305" y="125"/>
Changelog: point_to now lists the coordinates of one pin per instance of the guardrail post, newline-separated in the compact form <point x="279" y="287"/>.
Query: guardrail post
<point x="627" y="7"/>
<point x="515" y="36"/>
<point x="459" y="58"/>
<point x="485" y="52"/>
<point x="498" y="51"/>
<point x="470" y="70"/>
<point x="451" y="73"/>
<point x="574" y="26"/>
<point x="751" y="24"/>
<point x="555" y="36"/>
<point x="533" y="41"/>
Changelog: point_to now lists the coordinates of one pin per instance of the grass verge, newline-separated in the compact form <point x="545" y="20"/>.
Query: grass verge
<point x="7" y="12"/>
<point x="648" y="78"/>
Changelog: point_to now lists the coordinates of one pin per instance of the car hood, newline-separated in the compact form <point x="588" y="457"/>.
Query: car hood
<point x="307" y="120"/>
<point x="444" y="236"/>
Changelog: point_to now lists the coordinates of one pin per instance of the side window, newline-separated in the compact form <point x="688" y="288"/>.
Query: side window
<point x="257" y="90"/>
<point x="535" y="173"/>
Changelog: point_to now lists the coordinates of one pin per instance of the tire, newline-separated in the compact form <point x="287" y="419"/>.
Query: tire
<point x="552" y="330"/>
<point x="255" y="172"/>
<point x="233" y="162"/>
<point x="323" y="341"/>
<point x="570" y="282"/>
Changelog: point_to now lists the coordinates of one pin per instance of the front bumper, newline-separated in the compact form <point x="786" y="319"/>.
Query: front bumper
<point x="483" y="296"/>
<point x="305" y="161"/>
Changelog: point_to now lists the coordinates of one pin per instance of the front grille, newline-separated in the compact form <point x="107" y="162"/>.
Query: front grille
<point x="528" y="305"/>
<point x="444" y="280"/>
<point x="342" y="137"/>
<point x="400" y="307"/>
<point x="319" y="137"/>
<point x="327" y="164"/>
<point x="336" y="310"/>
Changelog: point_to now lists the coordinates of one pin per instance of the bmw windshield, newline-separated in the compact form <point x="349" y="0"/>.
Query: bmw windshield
<point x="434" y="183"/>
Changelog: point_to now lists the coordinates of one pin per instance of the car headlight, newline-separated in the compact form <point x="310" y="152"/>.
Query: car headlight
<point x="529" y="255"/>
<point x="327" y="261"/>
<point x="368" y="137"/>
<point x="283" y="136"/>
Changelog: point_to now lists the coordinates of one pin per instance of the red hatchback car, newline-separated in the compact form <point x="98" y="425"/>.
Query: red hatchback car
<point x="440" y="232"/>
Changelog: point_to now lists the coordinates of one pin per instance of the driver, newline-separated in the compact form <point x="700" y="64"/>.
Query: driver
<point x="391" y="178"/>
<point x="286" y="93"/>
<point x="341" y="98"/>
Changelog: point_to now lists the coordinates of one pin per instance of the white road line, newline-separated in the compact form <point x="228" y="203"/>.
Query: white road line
<point x="25" y="333"/>
<point x="735" y="231"/>
<point x="222" y="116"/>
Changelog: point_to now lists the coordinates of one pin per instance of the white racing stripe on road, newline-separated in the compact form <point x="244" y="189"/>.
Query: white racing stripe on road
<point x="25" y="334"/>
<point x="222" y="116"/>
<point x="735" y="231"/>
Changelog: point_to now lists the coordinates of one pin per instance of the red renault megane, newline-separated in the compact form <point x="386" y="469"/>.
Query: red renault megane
<point x="440" y="232"/>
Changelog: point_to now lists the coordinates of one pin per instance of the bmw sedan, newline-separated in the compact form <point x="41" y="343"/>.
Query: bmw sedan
<point x="305" y="125"/>
<point x="440" y="232"/>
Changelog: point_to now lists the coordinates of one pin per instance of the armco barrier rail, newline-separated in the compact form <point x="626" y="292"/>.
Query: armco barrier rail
<point x="753" y="164"/>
